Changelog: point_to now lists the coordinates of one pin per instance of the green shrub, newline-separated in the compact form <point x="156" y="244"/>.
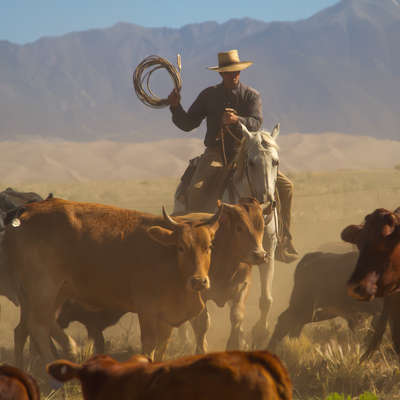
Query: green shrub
<point x="337" y="396"/>
<point x="368" y="396"/>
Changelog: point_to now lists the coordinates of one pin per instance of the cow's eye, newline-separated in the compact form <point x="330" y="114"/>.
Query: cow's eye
<point x="239" y="228"/>
<point x="275" y="163"/>
<point x="180" y="249"/>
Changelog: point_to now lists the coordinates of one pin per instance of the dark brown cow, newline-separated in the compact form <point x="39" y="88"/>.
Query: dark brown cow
<point x="17" y="385"/>
<point x="107" y="258"/>
<point x="10" y="198"/>
<point x="319" y="293"/>
<point x="238" y="238"/>
<point x="377" y="271"/>
<point x="257" y="375"/>
<point x="95" y="322"/>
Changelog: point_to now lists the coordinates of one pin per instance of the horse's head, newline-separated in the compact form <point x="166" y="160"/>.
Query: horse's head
<point x="257" y="165"/>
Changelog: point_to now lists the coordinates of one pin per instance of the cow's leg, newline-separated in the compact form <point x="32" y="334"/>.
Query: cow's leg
<point x="378" y="325"/>
<point x="21" y="334"/>
<point x="266" y="270"/>
<point x="148" y="334"/>
<point x="394" y="323"/>
<point x="40" y="314"/>
<point x="163" y="335"/>
<point x="67" y="343"/>
<point x="235" y="341"/>
<point x="39" y="330"/>
<point x="95" y="335"/>
<point x="20" y="337"/>
<point x="201" y="324"/>
<point x="290" y="322"/>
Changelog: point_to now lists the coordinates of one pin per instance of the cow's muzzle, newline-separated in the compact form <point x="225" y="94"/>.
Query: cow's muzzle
<point x="257" y="257"/>
<point x="198" y="283"/>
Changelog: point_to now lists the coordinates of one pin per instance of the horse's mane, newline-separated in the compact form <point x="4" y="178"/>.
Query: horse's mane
<point x="243" y="149"/>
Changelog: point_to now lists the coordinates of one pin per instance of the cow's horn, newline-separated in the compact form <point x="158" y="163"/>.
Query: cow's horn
<point x="169" y="219"/>
<point x="215" y="217"/>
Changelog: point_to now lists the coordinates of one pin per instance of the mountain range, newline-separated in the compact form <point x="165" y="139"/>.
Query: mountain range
<point x="337" y="71"/>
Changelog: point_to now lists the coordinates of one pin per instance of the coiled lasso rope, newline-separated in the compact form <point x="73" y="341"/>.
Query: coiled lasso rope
<point x="142" y="78"/>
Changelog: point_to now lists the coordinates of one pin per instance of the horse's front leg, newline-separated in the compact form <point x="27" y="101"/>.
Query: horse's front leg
<point x="236" y="341"/>
<point x="266" y="270"/>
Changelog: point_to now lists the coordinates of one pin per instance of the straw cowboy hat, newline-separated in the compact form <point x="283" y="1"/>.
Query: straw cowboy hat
<point x="229" y="62"/>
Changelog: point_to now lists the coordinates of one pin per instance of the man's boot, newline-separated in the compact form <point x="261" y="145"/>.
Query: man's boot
<point x="289" y="246"/>
<point x="285" y="251"/>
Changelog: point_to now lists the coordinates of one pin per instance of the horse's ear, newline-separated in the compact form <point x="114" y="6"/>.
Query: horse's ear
<point x="276" y="130"/>
<point x="245" y="132"/>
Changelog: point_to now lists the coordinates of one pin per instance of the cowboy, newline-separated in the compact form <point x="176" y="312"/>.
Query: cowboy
<point x="225" y="106"/>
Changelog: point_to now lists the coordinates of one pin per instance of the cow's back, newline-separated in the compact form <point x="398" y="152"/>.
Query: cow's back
<point x="100" y="255"/>
<point x="235" y="375"/>
<point x="323" y="276"/>
<point x="17" y="385"/>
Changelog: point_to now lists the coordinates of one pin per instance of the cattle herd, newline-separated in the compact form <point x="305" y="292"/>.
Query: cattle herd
<point x="64" y="261"/>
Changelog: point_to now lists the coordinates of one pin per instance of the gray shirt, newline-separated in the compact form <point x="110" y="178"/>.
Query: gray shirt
<point x="210" y="104"/>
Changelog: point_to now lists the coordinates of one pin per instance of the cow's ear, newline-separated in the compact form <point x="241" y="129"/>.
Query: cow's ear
<point x="161" y="235"/>
<point x="387" y="230"/>
<point x="389" y="226"/>
<point x="350" y="234"/>
<point x="63" y="370"/>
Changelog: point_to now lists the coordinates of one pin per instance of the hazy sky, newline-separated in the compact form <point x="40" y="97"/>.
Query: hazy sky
<point x="24" y="21"/>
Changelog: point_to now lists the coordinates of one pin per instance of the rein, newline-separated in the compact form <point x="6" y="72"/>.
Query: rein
<point x="225" y="129"/>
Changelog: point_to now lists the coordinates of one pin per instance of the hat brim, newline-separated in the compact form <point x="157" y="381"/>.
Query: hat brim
<point x="240" y="66"/>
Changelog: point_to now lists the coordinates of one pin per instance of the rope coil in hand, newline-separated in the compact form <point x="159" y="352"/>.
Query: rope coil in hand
<point x="141" y="79"/>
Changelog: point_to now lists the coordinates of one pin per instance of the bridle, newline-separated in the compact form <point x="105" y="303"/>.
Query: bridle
<point x="234" y="194"/>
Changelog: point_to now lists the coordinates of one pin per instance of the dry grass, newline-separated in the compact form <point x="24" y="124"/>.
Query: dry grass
<point x="319" y="368"/>
<point x="322" y="361"/>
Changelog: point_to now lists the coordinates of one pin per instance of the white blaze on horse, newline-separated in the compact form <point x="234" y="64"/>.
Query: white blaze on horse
<point x="254" y="174"/>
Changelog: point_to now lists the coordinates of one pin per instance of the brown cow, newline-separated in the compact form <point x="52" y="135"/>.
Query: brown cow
<point x="377" y="271"/>
<point x="235" y="375"/>
<point x="238" y="238"/>
<point x="108" y="258"/>
<point x="17" y="385"/>
<point x="230" y="270"/>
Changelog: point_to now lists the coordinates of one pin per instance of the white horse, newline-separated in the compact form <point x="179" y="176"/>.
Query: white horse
<point x="258" y="163"/>
<point x="255" y="176"/>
